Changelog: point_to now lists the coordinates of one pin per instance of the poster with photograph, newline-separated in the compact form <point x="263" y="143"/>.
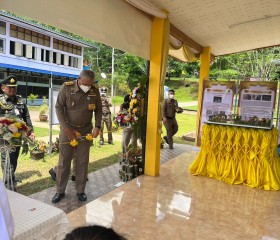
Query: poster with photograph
<point x="257" y="100"/>
<point x="217" y="99"/>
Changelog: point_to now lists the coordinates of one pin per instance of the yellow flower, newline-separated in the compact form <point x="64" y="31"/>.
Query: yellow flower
<point x="16" y="135"/>
<point x="114" y="125"/>
<point x="134" y="101"/>
<point x="131" y="104"/>
<point x="73" y="142"/>
<point x="18" y="125"/>
<point x="89" y="137"/>
<point x="42" y="146"/>
<point x="135" y="110"/>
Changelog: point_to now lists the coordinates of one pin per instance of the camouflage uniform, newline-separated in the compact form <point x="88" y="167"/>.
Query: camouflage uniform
<point x="169" y="112"/>
<point x="106" y="118"/>
<point x="74" y="110"/>
<point x="13" y="107"/>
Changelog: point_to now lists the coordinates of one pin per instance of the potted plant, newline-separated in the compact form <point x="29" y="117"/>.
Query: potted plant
<point x="37" y="149"/>
<point x="32" y="98"/>
<point x="43" y="116"/>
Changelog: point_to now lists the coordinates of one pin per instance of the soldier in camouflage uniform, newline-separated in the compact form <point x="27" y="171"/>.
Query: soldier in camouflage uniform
<point x="106" y="116"/>
<point x="12" y="105"/>
<point x="76" y="102"/>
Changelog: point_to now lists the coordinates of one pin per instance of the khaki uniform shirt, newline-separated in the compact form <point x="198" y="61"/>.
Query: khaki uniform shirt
<point x="106" y="104"/>
<point x="169" y="108"/>
<point x="15" y="107"/>
<point x="74" y="108"/>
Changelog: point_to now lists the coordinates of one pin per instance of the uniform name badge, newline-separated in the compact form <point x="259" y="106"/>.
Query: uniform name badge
<point x="91" y="106"/>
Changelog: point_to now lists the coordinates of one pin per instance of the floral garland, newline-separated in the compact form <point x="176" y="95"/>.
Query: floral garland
<point x="74" y="142"/>
<point x="15" y="132"/>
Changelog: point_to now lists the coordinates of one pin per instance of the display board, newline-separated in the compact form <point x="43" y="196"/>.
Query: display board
<point x="257" y="100"/>
<point x="217" y="99"/>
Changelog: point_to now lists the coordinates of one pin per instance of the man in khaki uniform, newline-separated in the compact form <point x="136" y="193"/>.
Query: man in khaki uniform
<point x="76" y="102"/>
<point x="106" y="116"/>
<point x="170" y="107"/>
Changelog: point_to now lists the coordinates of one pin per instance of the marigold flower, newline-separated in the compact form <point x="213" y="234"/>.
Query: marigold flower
<point x="89" y="137"/>
<point x="17" y="124"/>
<point x="73" y="142"/>
<point x="16" y="135"/>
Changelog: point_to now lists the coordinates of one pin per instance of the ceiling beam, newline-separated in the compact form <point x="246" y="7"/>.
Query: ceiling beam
<point x="175" y="32"/>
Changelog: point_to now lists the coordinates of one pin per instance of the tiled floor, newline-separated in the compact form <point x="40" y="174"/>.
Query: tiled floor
<point x="100" y="182"/>
<point x="177" y="205"/>
<point x="174" y="205"/>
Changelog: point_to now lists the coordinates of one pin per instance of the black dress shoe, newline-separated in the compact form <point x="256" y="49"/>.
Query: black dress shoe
<point x="57" y="197"/>
<point x="166" y="140"/>
<point x="82" y="197"/>
<point x="111" y="143"/>
<point x="53" y="174"/>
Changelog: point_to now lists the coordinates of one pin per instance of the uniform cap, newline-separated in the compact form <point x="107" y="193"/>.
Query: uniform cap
<point x="10" y="81"/>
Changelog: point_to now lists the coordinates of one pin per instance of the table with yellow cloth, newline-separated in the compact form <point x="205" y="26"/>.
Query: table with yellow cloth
<point x="239" y="155"/>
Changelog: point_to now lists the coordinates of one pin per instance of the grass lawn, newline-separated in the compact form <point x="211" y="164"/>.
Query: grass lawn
<point x="43" y="132"/>
<point x="34" y="174"/>
<point x="186" y="123"/>
<point x="183" y="91"/>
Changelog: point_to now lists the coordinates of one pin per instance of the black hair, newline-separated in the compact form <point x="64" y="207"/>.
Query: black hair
<point x="93" y="233"/>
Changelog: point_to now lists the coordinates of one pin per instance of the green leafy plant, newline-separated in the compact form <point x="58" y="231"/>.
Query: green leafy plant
<point x="44" y="108"/>
<point x="32" y="97"/>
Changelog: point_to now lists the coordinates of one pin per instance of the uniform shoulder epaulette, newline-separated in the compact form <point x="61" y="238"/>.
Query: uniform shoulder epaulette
<point x="69" y="83"/>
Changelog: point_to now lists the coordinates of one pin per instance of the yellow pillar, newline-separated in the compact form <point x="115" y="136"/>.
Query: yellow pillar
<point x="159" y="54"/>
<point x="205" y="59"/>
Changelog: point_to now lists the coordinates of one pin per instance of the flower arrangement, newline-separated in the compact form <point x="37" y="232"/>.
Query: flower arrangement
<point x="14" y="131"/>
<point x="135" y="104"/>
<point x="133" y="113"/>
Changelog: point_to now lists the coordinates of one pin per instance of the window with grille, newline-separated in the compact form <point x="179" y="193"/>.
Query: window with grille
<point x="29" y="35"/>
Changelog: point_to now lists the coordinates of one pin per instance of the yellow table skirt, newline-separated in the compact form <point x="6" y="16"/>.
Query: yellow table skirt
<point x="239" y="155"/>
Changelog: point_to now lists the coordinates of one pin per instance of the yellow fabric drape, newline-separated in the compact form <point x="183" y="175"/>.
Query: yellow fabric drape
<point x="182" y="53"/>
<point x="239" y="155"/>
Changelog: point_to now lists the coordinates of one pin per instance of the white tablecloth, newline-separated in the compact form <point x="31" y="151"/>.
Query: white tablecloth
<point x="6" y="218"/>
<point x="36" y="220"/>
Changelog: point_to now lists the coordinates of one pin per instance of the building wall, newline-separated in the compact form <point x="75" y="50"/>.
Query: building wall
<point x="24" y="47"/>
